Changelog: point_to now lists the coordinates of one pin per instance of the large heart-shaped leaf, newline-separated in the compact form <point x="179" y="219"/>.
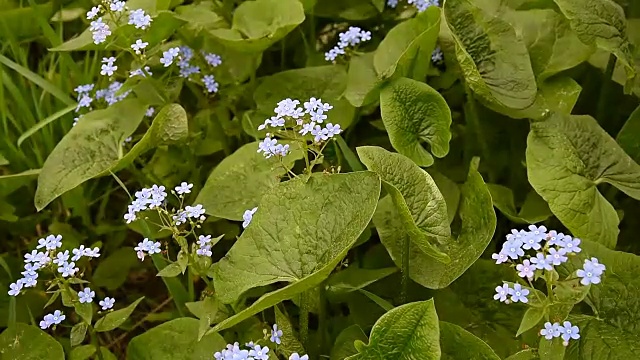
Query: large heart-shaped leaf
<point x="239" y="181"/>
<point x="412" y="112"/>
<point x="477" y="228"/>
<point x="27" y="342"/>
<point x="258" y="24"/>
<point x="89" y="149"/>
<point x="416" y="197"/>
<point x="459" y="344"/>
<point x="601" y="23"/>
<point x="553" y="45"/>
<point x="325" y="82"/>
<point x="567" y="157"/>
<point x="494" y="60"/>
<point x="407" y="332"/>
<point x="174" y="340"/>
<point x="300" y="232"/>
<point x="406" y="49"/>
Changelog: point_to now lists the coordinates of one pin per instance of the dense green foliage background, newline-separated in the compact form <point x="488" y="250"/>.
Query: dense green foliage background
<point x="384" y="252"/>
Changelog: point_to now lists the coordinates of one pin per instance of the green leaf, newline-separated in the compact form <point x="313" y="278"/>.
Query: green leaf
<point x="12" y="182"/>
<point x="290" y="343"/>
<point x="494" y="61"/>
<point x="259" y="24"/>
<point x="289" y="241"/>
<point x="553" y="45"/>
<point x="628" y="135"/>
<point x="174" y="340"/>
<point x="26" y="342"/>
<point x="354" y="278"/>
<point x="354" y="10"/>
<point x="407" y="332"/>
<point x="459" y="344"/>
<point x="529" y="354"/>
<point x="82" y="352"/>
<point x="240" y="180"/>
<point x="478" y="223"/>
<point x="567" y="157"/>
<point x="413" y="112"/>
<point x="114" y="319"/>
<point x="533" y="210"/>
<point x="113" y="270"/>
<point x="416" y="197"/>
<point x="170" y="126"/>
<point x="13" y="26"/>
<point x="78" y="333"/>
<point x="85" y="310"/>
<point x="551" y="349"/>
<point x="601" y="23"/>
<point x="325" y="82"/>
<point x="209" y="311"/>
<point x="408" y="41"/>
<point x="343" y="346"/>
<point x="89" y="149"/>
<point x="171" y="270"/>
<point x="363" y="84"/>
<point x="531" y="318"/>
<point x="599" y="340"/>
<point x="48" y="120"/>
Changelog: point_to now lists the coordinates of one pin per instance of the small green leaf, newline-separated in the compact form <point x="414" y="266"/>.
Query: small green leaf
<point x="494" y="60"/>
<point x="459" y="344"/>
<point x="78" y="333"/>
<point x="289" y="240"/>
<point x="628" y="135"/>
<point x="26" y="342"/>
<point x="240" y="180"/>
<point x="114" y="319"/>
<point x="408" y="41"/>
<point x="416" y="197"/>
<point x="529" y="354"/>
<point x="531" y="318"/>
<point x="171" y="270"/>
<point x="89" y="149"/>
<point x="409" y="331"/>
<point x="602" y="23"/>
<point x="183" y="260"/>
<point x="170" y="126"/>
<point x="346" y="9"/>
<point x="259" y="24"/>
<point x="533" y="210"/>
<point x="412" y="112"/>
<point x="85" y="310"/>
<point x="478" y="225"/>
<point x="290" y="343"/>
<point x="551" y="349"/>
<point x="343" y="347"/>
<point x="174" y="340"/>
<point x="82" y="352"/>
<point x="567" y="157"/>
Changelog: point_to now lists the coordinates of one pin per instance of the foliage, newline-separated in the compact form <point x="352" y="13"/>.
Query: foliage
<point x="301" y="179"/>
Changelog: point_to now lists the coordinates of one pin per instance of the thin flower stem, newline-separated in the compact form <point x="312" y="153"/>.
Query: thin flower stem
<point x="304" y="318"/>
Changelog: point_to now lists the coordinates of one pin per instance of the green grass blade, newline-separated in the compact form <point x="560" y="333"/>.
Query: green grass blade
<point x="36" y="79"/>
<point x="45" y="122"/>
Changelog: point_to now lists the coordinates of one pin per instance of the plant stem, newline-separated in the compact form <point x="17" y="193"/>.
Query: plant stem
<point x="605" y="90"/>
<point x="304" y="318"/>
<point x="95" y="342"/>
<point x="405" y="269"/>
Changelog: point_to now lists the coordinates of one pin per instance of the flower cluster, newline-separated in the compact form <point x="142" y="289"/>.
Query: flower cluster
<point x="190" y="65"/>
<point x="255" y="351"/>
<point x="567" y="331"/>
<point x="147" y="198"/>
<point x="48" y="257"/>
<point x="302" y="120"/>
<point x="551" y="249"/>
<point x="248" y="216"/>
<point x="350" y="38"/>
<point x="420" y="5"/>
<point x="115" y="10"/>
<point x="108" y="67"/>
<point x="109" y="95"/>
